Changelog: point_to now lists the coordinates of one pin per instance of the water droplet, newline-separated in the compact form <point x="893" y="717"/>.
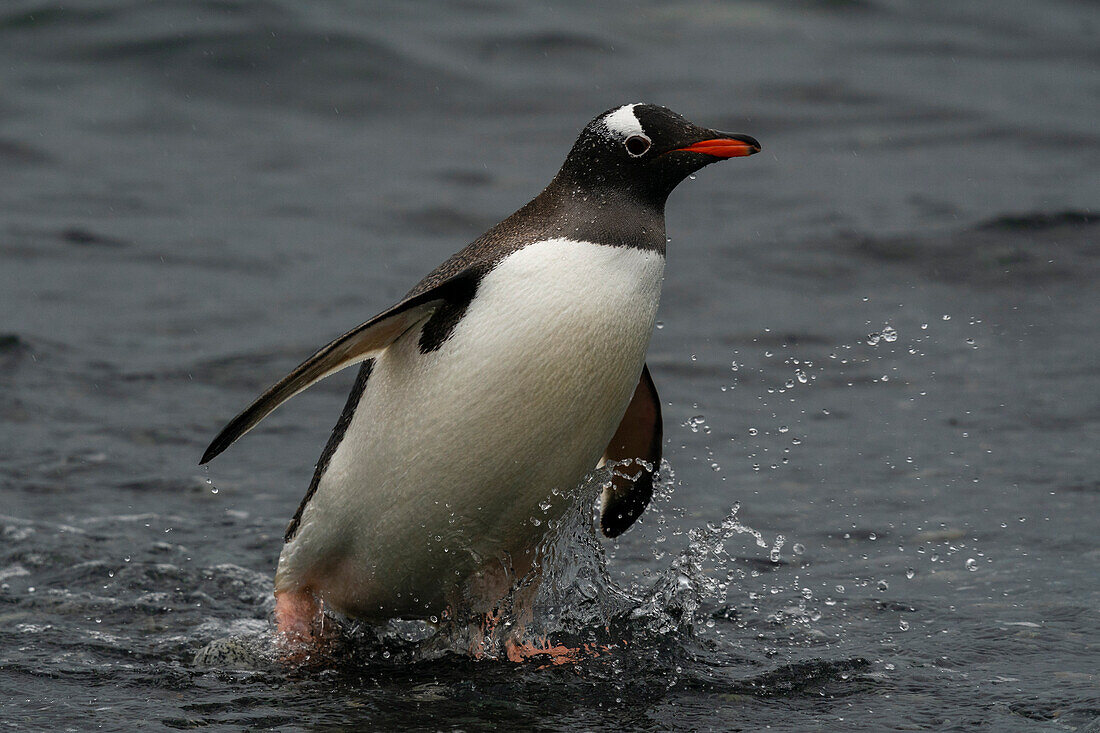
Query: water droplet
<point x="909" y="573"/>
<point x="889" y="334"/>
<point x="798" y="548"/>
<point x="883" y="586"/>
<point x="971" y="564"/>
<point x="946" y="317"/>
<point x="660" y="325"/>
<point x="840" y="589"/>
<point x="753" y="431"/>
<point x="780" y="540"/>
<point x="783" y="428"/>
<point x="903" y="625"/>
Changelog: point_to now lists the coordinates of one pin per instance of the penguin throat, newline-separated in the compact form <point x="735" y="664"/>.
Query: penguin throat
<point x="604" y="214"/>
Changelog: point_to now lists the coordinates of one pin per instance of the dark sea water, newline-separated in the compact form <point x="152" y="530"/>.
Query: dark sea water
<point x="878" y="340"/>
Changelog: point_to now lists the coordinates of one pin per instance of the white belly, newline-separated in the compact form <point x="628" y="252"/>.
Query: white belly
<point x="450" y="454"/>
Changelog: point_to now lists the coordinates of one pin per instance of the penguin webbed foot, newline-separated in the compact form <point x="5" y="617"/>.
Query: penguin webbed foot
<point x="517" y="649"/>
<point x="302" y="630"/>
<point x="555" y="654"/>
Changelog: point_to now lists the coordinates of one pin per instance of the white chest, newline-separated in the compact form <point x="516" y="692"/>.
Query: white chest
<point x="465" y="442"/>
<point x="564" y="303"/>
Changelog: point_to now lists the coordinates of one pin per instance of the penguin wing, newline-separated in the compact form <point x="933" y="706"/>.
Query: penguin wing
<point x="357" y="345"/>
<point x="636" y="449"/>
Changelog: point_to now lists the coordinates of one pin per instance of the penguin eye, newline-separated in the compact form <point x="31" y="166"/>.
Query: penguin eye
<point x="637" y="145"/>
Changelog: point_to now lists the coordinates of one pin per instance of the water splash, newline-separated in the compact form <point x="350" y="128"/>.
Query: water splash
<point x="703" y="571"/>
<point x="568" y="600"/>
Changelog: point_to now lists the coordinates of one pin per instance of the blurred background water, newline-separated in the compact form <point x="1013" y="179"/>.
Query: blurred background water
<point x="879" y="337"/>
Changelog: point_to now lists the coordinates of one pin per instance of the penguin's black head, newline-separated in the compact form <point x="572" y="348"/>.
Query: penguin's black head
<point x="644" y="151"/>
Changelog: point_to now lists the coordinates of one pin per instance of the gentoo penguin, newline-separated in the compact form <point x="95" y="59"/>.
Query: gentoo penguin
<point x="488" y="393"/>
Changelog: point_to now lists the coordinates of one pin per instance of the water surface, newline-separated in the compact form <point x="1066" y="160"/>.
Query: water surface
<point x="878" y="337"/>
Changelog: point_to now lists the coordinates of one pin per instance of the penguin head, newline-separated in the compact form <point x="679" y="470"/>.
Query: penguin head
<point x="643" y="151"/>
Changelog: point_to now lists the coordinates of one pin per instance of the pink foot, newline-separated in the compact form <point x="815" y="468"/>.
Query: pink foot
<point x="300" y="624"/>
<point x="557" y="653"/>
<point x="479" y="646"/>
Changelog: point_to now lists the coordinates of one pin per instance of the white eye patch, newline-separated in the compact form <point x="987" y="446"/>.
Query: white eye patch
<point x="622" y="123"/>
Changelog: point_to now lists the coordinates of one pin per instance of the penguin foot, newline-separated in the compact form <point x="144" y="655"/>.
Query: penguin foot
<point x="300" y="626"/>
<point x="482" y="637"/>
<point x="556" y="654"/>
<point x="486" y="638"/>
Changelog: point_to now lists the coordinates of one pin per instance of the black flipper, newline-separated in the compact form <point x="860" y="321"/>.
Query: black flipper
<point x="638" y="442"/>
<point x="357" y="345"/>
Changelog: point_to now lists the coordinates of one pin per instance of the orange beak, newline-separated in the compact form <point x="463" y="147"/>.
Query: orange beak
<point x="734" y="146"/>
